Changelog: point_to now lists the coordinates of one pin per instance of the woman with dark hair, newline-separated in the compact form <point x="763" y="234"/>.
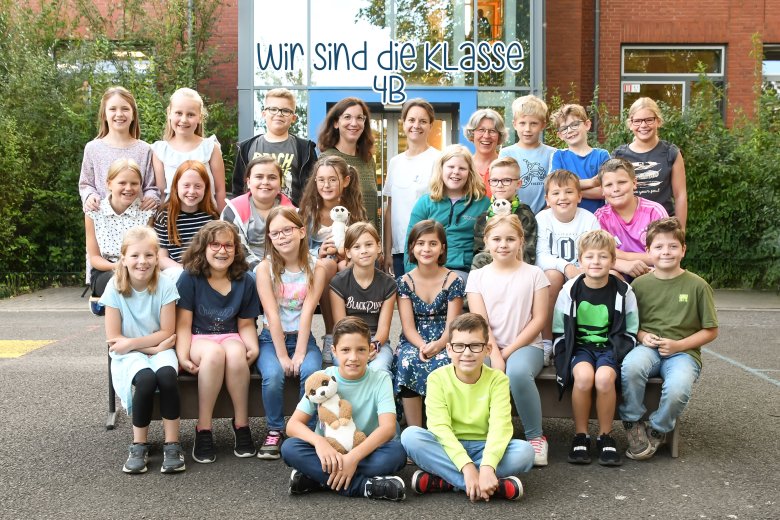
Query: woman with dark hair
<point x="346" y="132"/>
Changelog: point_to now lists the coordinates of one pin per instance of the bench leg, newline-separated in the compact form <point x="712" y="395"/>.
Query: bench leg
<point x="111" y="420"/>
<point x="674" y="445"/>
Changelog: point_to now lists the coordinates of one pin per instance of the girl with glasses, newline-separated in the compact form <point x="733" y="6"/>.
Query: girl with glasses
<point x="659" y="165"/>
<point x="216" y="337"/>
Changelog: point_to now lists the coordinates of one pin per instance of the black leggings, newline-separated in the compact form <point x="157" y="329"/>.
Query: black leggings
<point x="146" y="382"/>
<point x="98" y="281"/>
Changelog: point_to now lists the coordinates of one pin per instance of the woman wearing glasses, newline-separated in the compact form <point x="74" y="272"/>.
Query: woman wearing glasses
<point x="346" y="132"/>
<point x="408" y="176"/>
<point x="487" y="131"/>
<point x="660" y="170"/>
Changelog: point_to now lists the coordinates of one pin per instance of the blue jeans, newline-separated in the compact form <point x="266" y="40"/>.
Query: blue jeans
<point x="273" y="375"/>
<point x="425" y="450"/>
<point x="679" y="372"/>
<point x="387" y="459"/>
<point x="522" y="367"/>
<point x="398" y="265"/>
<point x="383" y="360"/>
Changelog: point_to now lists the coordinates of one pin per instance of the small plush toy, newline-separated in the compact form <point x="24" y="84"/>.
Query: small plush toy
<point x="340" y="216"/>
<point x="334" y="413"/>
<point x="502" y="207"/>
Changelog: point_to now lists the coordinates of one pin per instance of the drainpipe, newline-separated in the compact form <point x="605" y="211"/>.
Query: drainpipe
<point x="596" y="45"/>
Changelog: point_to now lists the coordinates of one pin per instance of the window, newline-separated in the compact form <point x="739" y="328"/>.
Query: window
<point x="668" y="73"/>
<point x="771" y="67"/>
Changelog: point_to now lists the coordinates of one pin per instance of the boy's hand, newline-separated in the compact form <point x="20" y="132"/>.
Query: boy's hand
<point x="667" y="347"/>
<point x="330" y="459"/>
<point x="488" y="482"/>
<point x="471" y="476"/>
<point x="637" y="268"/>
<point x="341" y="478"/>
<point x="570" y="271"/>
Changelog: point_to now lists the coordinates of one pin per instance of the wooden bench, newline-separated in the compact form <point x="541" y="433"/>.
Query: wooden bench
<point x="545" y="382"/>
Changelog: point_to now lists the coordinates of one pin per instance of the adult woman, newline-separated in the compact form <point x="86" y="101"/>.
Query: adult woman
<point x="486" y="129"/>
<point x="346" y="132"/>
<point x="408" y="176"/>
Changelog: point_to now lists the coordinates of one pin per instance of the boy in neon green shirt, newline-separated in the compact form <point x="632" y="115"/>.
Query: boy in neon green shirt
<point x="468" y="444"/>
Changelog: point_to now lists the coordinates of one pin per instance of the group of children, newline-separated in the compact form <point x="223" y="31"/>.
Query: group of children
<point x="541" y="284"/>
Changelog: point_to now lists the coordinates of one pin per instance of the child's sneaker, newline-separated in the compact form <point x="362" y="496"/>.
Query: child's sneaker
<point x="173" y="458"/>
<point x="385" y="488"/>
<point x="95" y="307"/>
<point x="580" y="449"/>
<point x="638" y="445"/>
<point x="510" y="488"/>
<point x="424" y="482"/>
<point x="655" y="439"/>
<point x="243" y="445"/>
<point x="137" y="458"/>
<point x="272" y="445"/>
<point x="548" y="352"/>
<point x="300" y="484"/>
<point x="539" y="444"/>
<point x="203" y="450"/>
<point x="607" y="449"/>
<point x="327" y="349"/>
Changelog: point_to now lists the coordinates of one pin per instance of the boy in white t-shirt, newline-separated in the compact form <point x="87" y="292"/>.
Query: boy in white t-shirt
<point x="558" y="229"/>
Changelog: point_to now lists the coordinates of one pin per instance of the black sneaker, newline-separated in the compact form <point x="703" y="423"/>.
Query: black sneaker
<point x="385" y="488"/>
<point x="510" y="488"/>
<point x="424" y="482"/>
<point x="300" y="484"/>
<point x="173" y="458"/>
<point x="272" y="445"/>
<point x="580" y="449"/>
<point x="203" y="450"/>
<point x="136" y="459"/>
<point x="243" y="445"/>
<point x="607" y="449"/>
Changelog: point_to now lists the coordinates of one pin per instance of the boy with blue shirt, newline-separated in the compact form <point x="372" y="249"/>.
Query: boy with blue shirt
<point x="529" y="118"/>
<point x="676" y="318"/>
<point x="367" y="470"/>
<point x="468" y="444"/>
<point x="572" y="124"/>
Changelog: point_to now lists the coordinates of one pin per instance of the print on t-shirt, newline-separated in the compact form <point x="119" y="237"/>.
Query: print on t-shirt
<point x="534" y="171"/>
<point x="592" y="324"/>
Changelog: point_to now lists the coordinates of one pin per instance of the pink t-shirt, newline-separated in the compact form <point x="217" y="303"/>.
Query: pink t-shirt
<point x="630" y="236"/>
<point x="509" y="299"/>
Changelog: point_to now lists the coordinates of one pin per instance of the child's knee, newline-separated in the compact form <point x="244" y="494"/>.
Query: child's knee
<point x="605" y="380"/>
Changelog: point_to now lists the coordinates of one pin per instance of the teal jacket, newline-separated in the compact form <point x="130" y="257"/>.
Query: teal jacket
<point x="458" y="219"/>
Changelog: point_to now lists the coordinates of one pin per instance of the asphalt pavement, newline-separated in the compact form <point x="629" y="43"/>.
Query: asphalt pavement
<point x="58" y="461"/>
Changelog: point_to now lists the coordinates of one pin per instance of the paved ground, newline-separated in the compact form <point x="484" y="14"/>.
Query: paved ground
<point x="57" y="460"/>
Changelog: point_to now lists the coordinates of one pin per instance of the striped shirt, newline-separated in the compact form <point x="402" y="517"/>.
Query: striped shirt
<point x="187" y="225"/>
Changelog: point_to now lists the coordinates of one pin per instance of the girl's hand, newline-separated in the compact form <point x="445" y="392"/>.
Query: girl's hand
<point x="287" y="366"/>
<point x="429" y="350"/>
<point x="297" y="361"/>
<point x="251" y="356"/>
<point x="148" y="203"/>
<point x="387" y="264"/>
<point x="92" y="203"/>
<point x="328" y="248"/>
<point x="189" y="366"/>
<point x="167" y="343"/>
<point x="120" y="345"/>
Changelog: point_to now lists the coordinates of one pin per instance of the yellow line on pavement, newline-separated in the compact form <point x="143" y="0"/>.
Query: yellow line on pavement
<point x="14" y="348"/>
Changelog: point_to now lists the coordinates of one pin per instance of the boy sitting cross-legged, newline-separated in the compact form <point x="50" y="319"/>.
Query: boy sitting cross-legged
<point x="594" y="323"/>
<point x="367" y="470"/>
<point x="468" y="444"/>
<point x="676" y="318"/>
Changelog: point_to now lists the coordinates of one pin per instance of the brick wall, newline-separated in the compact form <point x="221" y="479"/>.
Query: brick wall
<point x="729" y="22"/>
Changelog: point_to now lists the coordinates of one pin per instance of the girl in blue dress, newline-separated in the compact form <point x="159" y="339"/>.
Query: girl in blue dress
<point x="430" y="297"/>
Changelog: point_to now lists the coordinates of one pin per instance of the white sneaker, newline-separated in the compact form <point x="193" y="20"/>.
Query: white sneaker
<point x="548" y="352"/>
<point x="327" y="349"/>
<point x="539" y="444"/>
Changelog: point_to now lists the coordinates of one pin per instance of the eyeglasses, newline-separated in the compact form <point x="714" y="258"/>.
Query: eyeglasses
<point x="285" y="231"/>
<point x="571" y="126"/>
<point x="476" y="348"/>
<point x="216" y="246"/>
<point x="286" y="112"/>
<point x="648" y="121"/>
<point x="489" y="131"/>
<point x="348" y="118"/>
<point x="501" y="182"/>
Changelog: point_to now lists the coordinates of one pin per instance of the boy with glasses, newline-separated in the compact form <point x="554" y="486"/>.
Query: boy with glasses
<point x="468" y="445"/>
<point x="572" y="124"/>
<point x="504" y="181"/>
<point x="295" y="155"/>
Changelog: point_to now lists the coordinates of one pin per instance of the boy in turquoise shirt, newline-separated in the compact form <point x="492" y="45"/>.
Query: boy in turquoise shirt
<point x="468" y="444"/>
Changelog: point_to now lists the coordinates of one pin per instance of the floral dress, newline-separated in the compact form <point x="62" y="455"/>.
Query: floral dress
<point x="430" y="320"/>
